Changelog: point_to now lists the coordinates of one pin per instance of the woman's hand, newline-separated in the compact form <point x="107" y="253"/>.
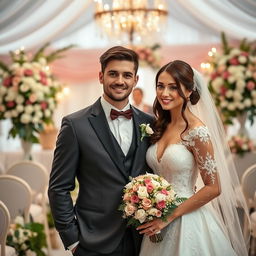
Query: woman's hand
<point x="153" y="227"/>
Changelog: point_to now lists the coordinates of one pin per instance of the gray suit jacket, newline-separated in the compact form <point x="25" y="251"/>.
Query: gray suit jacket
<point x="85" y="150"/>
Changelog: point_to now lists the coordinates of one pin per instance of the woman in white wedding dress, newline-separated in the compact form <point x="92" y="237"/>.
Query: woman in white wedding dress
<point x="182" y="148"/>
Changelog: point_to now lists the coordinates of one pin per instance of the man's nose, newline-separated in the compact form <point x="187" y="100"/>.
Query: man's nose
<point x="120" y="79"/>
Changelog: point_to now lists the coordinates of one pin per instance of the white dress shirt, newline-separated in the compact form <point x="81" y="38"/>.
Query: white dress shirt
<point x="121" y="127"/>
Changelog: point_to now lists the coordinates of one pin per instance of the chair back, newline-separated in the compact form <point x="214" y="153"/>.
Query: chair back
<point x="248" y="184"/>
<point x="1" y="168"/>
<point x="33" y="173"/>
<point x="4" y="224"/>
<point x="16" y="195"/>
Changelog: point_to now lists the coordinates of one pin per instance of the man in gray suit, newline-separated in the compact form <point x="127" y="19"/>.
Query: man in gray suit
<point x="101" y="147"/>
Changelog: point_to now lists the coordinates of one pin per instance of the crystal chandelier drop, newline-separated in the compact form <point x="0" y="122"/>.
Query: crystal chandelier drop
<point x="130" y="17"/>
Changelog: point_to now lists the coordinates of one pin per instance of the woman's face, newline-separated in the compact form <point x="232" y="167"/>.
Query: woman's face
<point x="167" y="92"/>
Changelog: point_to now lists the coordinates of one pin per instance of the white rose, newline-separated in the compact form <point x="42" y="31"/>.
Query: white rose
<point x="231" y="79"/>
<point x="35" y="120"/>
<point x="232" y="69"/>
<point x="40" y="95"/>
<point x="19" y="99"/>
<point x="244" y="147"/>
<point x="29" y="109"/>
<point x="15" y="113"/>
<point x="165" y="183"/>
<point x="235" y="52"/>
<point x="222" y="60"/>
<point x="39" y="114"/>
<point x="248" y="74"/>
<point x="20" y="108"/>
<point x="239" y="75"/>
<point x="25" y="118"/>
<point x="171" y="195"/>
<point x="240" y="84"/>
<point x="237" y="95"/>
<point x="15" y="66"/>
<point x="24" y="87"/>
<point x="152" y="211"/>
<point x="223" y="104"/>
<point x="231" y="106"/>
<point x="140" y="215"/>
<point x="149" y="130"/>
<point x="8" y="114"/>
<point x="142" y="192"/>
<point x="242" y="59"/>
<point x="253" y="93"/>
<point x="19" y="220"/>
<point x="129" y="185"/>
<point x="247" y="102"/>
<point x="2" y="90"/>
<point x="27" y="65"/>
<point x="42" y="61"/>
<point x="254" y="102"/>
<point x="129" y="209"/>
<point x="155" y="183"/>
<point x="47" y="113"/>
<point x="217" y="83"/>
<point x="160" y="197"/>
<point x="229" y="93"/>
<point x="240" y="106"/>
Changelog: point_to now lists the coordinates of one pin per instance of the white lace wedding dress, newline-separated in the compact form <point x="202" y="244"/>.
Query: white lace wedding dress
<point x="199" y="232"/>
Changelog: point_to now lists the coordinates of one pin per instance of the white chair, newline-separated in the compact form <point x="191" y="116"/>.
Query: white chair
<point x="36" y="176"/>
<point x="4" y="224"/>
<point x="248" y="184"/>
<point x="16" y="195"/>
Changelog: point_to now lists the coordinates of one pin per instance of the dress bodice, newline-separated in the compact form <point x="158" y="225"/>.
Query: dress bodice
<point x="180" y="162"/>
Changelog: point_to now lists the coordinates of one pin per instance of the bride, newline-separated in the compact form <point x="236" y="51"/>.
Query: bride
<point x="189" y="140"/>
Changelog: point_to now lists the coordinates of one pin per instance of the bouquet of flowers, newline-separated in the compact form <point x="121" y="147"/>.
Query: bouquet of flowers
<point x="147" y="197"/>
<point x="149" y="56"/>
<point x="240" y="145"/>
<point x="27" y="237"/>
<point x="29" y="92"/>
<point x="233" y="80"/>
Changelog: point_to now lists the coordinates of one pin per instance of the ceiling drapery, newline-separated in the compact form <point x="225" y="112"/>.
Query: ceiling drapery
<point x="31" y="23"/>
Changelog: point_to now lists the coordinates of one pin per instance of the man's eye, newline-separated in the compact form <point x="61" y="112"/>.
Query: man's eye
<point x="128" y="75"/>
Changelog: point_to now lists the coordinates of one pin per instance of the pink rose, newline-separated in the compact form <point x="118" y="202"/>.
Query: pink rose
<point x="150" y="187"/>
<point x="158" y="214"/>
<point x="164" y="191"/>
<point x="135" y="199"/>
<point x="161" y="205"/>
<point x="135" y="188"/>
<point x="44" y="105"/>
<point x="10" y="104"/>
<point x="19" y="72"/>
<point x="234" y="61"/>
<point x="32" y="98"/>
<point x="126" y="197"/>
<point x="7" y="81"/>
<point x="250" y="85"/>
<point x="28" y="72"/>
<point x="43" y="81"/>
<point x="28" y="102"/>
<point x="146" y="203"/>
<point x="16" y="80"/>
<point x="214" y="75"/>
<point x="223" y="90"/>
<point x="245" y="54"/>
<point x="225" y="74"/>
<point x="147" y="181"/>
<point x="129" y="209"/>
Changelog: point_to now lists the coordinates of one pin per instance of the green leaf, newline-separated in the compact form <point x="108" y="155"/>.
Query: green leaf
<point x="226" y="48"/>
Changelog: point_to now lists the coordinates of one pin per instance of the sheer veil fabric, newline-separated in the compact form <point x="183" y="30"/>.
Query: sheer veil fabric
<point x="230" y="199"/>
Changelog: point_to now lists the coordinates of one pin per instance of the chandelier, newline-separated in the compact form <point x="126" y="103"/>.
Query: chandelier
<point x="130" y="17"/>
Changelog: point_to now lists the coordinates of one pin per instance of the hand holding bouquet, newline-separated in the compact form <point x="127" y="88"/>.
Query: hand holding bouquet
<point x="146" y="198"/>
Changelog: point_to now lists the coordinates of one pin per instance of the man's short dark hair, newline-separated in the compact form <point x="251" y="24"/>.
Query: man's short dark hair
<point x="119" y="53"/>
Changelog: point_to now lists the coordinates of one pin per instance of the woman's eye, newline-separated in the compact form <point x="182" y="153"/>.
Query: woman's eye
<point x="160" y="86"/>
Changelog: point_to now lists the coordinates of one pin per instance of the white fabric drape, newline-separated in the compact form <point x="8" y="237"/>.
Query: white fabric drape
<point x="31" y="23"/>
<point x="225" y="16"/>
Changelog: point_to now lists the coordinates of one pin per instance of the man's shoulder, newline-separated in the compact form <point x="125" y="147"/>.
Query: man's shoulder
<point x="143" y="115"/>
<point x="82" y="113"/>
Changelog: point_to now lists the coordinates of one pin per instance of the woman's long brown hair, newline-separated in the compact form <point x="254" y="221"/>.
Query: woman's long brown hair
<point x="182" y="73"/>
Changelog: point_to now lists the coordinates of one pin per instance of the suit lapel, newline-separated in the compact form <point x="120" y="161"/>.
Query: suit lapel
<point x="100" y="125"/>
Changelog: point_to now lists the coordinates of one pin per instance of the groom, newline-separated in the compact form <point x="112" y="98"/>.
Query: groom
<point x="101" y="147"/>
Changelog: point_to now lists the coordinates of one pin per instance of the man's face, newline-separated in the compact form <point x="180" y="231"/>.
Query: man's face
<point x="118" y="80"/>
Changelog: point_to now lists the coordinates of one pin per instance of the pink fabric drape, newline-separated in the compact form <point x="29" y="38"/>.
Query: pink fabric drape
<point x="82" y="65"/>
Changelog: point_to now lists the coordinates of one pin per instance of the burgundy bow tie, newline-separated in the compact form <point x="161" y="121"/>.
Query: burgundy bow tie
<point x="115" y="114"/>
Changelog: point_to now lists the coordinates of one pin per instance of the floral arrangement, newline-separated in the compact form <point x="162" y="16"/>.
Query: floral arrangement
<point x="149" y="56"/>
<point x="147" y="197"/>
<point x="240" y="144"/>
<point x="233" y="80"/>
<point x="146" y="131"/>
<point x="29" y="92"/>
<point x="29" y="237"/>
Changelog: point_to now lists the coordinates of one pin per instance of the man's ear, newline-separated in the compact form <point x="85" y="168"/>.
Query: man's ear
<point x="101" y="77"/>
<point x="136" y="80"/>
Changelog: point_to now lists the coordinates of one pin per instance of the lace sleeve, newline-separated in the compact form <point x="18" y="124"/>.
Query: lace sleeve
<point x="200" y="143"/>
